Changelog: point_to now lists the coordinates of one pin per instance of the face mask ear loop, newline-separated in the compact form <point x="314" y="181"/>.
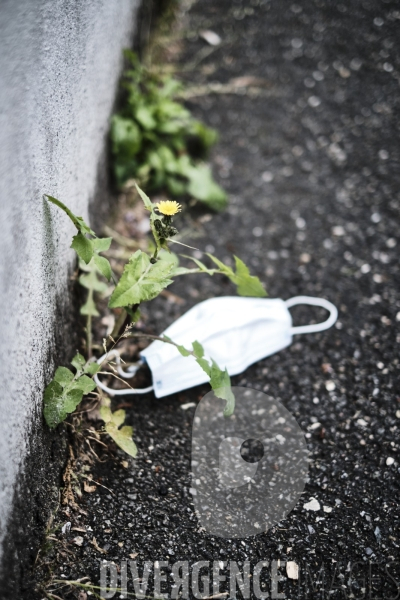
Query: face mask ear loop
<point x="313" y="302"/>
<point x="126" y="375"/>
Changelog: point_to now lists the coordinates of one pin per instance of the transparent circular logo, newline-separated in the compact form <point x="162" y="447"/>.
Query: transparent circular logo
<point x="248" y="470"/>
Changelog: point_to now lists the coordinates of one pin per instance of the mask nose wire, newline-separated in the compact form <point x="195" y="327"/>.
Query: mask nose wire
<point x="313" y="302"/>
<point x="125" y="374"/>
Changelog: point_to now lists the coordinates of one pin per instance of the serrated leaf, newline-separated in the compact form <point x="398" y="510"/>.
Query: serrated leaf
<point x="224" y="268"/>
<point x="84" y="383"/>
<point x="141" y="280"/>
<point x="122" y="437"/>
<point x="92" y="368"/>
<point x="63" y="376"/>
<point x="78" y="362"/>
<point x="198" y="349"/>
<point x="224" y="391"/>
<point x="183" y="350"/>
<point x="103" y="266"/>
<point x="247" y="285"/>
<point x="83" y="247"/>
<point x="101" y="244"/>
<point x="204" y="365"/>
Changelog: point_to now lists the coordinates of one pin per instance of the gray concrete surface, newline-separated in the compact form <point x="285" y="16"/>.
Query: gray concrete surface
<point x="59" y="66"/>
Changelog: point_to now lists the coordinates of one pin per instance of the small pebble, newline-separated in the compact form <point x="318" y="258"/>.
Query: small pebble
<point x="210" y="37"/>
<point x="338" y="230"/>
<point x="383" y="154"/>
<point x="292" y="569"/>
<point x="267" y="176"/>
<point x="305" y="257"/>
<point x="312" y="505"/>
<point x="314" y="101"/>
<point x="78" y="540"/>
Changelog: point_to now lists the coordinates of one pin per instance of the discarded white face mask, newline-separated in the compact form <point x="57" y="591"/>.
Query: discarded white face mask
<point x="234" y="331"/>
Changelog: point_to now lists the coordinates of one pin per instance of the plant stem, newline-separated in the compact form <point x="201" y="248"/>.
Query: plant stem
<point x="89" y="329"/>
<point x="89" y="336"/>
<point x="119" y="323"/>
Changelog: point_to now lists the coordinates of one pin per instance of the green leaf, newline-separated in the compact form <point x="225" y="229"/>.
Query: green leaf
<point x="141" y="280"/>
<point x="84" y="383"/>
<point x="146" y="200"/>
<point x="83" y="247"/>
<point x="247" y="285"/>
<point x="91" y="282"/>
<point x="207" y="136"/>
<point x="59" y="402"/>
<point x="64" y="392"/>
<point x="78" y="362"/>
<point x="52" y="394"/>
<point x="101" y="244"/>
<point x="103" y="266"/>
<point x="92" y="368"/>
<point x="145" y="118"/>
<point x="122" y="437"/>
<point x="63" y="376"/>
<point x="203" y="187"/>
<point x="77" y="221"/>
<point x="125" y="137"/>
<point x="118" y="417"/>
<point x="224" y="391"/>
<point x="89" y="308"/>
<point x="183" y="350"/>
<point x="105" y="413"/>
<point x="223" y="268"/>
<point x="175" y="186"/>
<point x="219" y="380"/>
<point x="203" y="363"/>
<point x="198" y="349"/>
<point x="134" y="314"/>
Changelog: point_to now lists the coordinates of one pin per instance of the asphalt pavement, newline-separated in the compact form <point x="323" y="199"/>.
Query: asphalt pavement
<point x="309" y="153"/>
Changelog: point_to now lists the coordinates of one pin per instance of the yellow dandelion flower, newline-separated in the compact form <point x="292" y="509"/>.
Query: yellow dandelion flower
<point x="169" y="207"/>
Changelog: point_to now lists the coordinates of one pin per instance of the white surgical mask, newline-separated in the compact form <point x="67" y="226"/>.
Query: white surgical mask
<point x="235" y="331"/>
